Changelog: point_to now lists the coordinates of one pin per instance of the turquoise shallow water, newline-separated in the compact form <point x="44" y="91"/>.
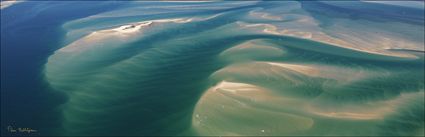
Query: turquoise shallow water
<point x="239" y="68"/>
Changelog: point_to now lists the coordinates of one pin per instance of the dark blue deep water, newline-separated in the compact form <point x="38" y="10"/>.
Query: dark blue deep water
<point x="30" y="32"/>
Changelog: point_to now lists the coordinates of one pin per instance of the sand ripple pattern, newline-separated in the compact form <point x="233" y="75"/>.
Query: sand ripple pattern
<point x="237" y="68"/>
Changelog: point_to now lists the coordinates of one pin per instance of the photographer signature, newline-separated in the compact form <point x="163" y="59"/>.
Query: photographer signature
<point x="20" y="130"/>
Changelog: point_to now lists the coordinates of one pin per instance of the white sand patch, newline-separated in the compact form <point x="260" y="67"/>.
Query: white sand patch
<point x="251" y="50"/>
<point x="264" y="15"/>
<point x="329" y="72"/>
<point x="342" y="34"/>
<point x="233" y="108"/>
<point x="132" y="27"/>
<point x="365" y="111"/>
<point x="122" y="34"/>
<point x="5" y="4"/>
<point x="306" y="70"/>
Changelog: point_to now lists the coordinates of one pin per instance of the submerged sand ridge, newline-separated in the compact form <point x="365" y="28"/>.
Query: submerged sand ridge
<point x="285" y="92"/>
